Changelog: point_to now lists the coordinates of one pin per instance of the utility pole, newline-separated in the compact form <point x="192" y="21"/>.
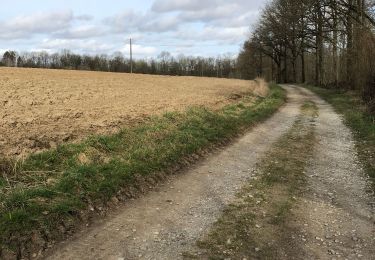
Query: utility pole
<point x="131" y="56"/>
<point x="261" y="63"/>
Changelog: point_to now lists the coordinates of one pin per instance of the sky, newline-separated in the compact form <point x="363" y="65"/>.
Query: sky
<point x="189" y="27"/>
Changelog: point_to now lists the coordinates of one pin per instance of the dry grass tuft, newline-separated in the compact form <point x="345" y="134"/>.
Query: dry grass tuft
<point x="261" y="87"/>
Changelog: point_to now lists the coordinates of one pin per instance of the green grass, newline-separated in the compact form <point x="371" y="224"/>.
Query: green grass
<point x="257" y="225"/>
<point x="359" y="120"/>
<point x="52" y="188"/>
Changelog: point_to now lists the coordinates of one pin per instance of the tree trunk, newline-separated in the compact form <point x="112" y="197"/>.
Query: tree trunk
<point x="319" y="45"/>
<point x="317" y="77"/>
<point x="349" y="47"/>
<point x="334" y="45"/>
<point x="272" y="68"/>
<point x="286" y="80"/>
<point x="294" y="71"/>
<point x="261" y="65"/>
<point x="303" y="66"/>
<point x="278" y="73"/>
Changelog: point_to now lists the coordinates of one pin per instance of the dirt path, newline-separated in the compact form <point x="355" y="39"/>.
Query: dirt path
<point x="168" y="221"/>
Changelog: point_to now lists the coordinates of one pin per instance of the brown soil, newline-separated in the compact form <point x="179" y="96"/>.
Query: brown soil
<point x="42" y="108"/>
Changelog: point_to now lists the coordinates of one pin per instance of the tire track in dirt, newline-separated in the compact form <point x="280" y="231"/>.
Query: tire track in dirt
<point x="167" y="221"/>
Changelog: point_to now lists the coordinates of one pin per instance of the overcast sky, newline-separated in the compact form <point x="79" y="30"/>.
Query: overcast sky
<point x="190" y="27"/>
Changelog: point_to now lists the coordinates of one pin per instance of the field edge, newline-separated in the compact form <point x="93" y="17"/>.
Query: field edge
<point x="76" y="182"/>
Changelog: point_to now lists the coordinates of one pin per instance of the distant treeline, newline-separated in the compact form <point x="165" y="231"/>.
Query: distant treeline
<point x="164" y="64"/>
<point x="329" y="43"/>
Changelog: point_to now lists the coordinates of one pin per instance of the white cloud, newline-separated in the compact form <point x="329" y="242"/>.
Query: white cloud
<point x="222" y="35"/>
<point x="245" y="19"/>
<point x="26" y="25"/>
<point x="186" y="5"/>
<point x="81" y="32"/>
<point x="130" y="21"/>
<point x="230" y="34"/>
<point x="140" y="50"/>
<point x="84" y="17"/>
<point x="210" y="14"/>
<point x="76" y="45"/>
<point x="161" y="24"/>
<point x="163" y="6"/>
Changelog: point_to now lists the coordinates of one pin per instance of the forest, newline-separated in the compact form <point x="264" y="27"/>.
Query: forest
<point x="328" y="43"/>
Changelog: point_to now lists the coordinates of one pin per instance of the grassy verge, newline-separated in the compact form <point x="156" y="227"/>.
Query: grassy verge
<point x="361" y="122"/>
<point x="44" y="196"/>
<point x="256" y="225"/>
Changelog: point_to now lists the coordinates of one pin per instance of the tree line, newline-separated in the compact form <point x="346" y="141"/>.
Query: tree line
<point x="328" y="43"/>
<point x="164" y="64"/>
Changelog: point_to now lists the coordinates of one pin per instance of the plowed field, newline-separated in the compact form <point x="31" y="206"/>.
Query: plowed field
<point x="41" y="108"/>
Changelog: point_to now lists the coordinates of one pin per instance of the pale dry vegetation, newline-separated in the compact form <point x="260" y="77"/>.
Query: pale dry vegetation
<point x="261" y="87"/>
<point x="41" y="108"/>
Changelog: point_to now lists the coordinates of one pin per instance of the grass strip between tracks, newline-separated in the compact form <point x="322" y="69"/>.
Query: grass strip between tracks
<point x="257" y="225"/>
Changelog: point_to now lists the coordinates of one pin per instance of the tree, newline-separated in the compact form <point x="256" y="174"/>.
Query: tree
<point x="20" y="62"/>
<point x="10" y="58"/>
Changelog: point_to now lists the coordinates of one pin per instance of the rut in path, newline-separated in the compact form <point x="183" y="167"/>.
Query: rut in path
<point x="336" y="215"/>
<point x="168" y="221"/>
